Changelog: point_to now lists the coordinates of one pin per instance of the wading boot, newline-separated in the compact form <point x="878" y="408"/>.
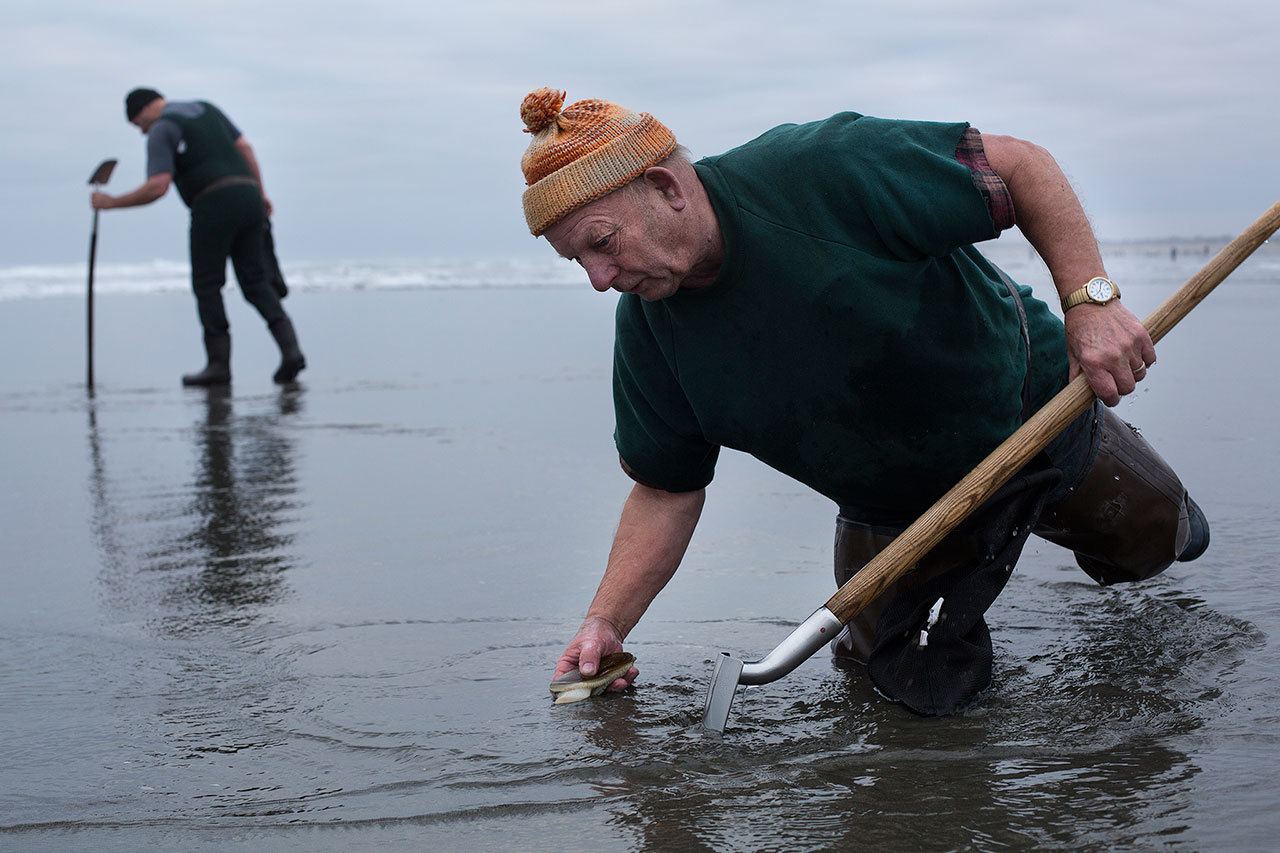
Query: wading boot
<point x="1129" y="517"/>
<point x="218" y="370"/>
<point x="292" y="361"/>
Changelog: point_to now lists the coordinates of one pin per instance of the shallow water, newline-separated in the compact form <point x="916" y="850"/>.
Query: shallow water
<point x="326" y="617"/>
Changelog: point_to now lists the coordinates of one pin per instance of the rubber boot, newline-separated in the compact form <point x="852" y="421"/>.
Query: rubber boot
<point x="1129" y="517"/>
<point x="292" y="361"/>
<point x="218" y="370"/>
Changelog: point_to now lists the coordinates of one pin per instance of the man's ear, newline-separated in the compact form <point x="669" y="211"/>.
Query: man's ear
<point x="668" y="186"/>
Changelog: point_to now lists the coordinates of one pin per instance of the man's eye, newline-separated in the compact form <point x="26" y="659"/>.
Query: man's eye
<point x="603" y="242"/>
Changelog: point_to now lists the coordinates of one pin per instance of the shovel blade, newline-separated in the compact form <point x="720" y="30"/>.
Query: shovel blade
<point x="724" y="685"/>
<point x="102" y="174"/>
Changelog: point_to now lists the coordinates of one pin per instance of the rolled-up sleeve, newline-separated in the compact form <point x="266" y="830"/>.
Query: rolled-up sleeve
<point x="970" y="152"/>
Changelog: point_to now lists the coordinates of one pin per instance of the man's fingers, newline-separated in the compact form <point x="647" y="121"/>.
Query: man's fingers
<point x="625" y="681"/>
<point x="564" y="665"/>
<point x="1148" y="352"/>
<point x="1135" y="375"/>
<point x="589" y="657"/>
<point x="1104" y="385"/>
<point x="1125" y="383"/>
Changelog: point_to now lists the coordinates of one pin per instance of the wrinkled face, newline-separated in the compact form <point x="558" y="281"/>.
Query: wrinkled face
<point x="629" y="241"/>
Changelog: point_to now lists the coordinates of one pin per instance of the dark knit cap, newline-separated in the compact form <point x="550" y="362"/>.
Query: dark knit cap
<point x="137" y="99"/>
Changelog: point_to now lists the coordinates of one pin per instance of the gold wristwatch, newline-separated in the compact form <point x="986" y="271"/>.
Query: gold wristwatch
<point x="1099" y="291"/>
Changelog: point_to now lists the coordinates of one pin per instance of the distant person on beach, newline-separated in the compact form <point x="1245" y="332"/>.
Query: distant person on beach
<point x="194" y="145"/>
<point x="813" y="298"/>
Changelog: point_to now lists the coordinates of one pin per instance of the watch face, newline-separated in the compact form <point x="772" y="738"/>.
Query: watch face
<point x="1100" y="290"/>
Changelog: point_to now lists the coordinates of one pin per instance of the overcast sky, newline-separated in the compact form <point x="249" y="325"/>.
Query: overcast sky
<point x="391" y="129"/>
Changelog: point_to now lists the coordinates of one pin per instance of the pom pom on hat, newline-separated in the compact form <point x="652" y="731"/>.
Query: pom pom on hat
<point x="540" y="108"/>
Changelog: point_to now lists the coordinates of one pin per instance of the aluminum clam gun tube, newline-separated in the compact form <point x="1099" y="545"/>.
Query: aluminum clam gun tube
<point x="971" y="492"/>
<point x="810" y="635"/>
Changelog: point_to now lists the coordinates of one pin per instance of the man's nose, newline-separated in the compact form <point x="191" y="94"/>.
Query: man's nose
<point x="602" y="274"/>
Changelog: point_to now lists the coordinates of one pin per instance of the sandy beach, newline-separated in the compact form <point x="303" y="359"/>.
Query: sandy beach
<point x="325" y="617"/>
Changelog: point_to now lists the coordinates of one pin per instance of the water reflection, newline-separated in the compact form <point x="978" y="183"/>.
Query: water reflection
<point x="220" y="540"/>
<point x="1081" y="745"/>
<point x="243" y="492"/>
<point x="193" y="525"/>
<point x="104" y="520"/>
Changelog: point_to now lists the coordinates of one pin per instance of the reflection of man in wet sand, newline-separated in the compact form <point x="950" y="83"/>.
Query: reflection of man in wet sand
<point x="238" y="536"/>
<point x="813" y="298"/>
<point x="226" y="551"/>
<point x="193" y="145"/>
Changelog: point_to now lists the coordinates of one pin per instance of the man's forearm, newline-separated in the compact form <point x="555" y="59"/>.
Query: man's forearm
<point x="145" y="194"/>
<point x="1105" y="342"/>
<point x="652" y="536"/>
<point x="1048" y="211"/>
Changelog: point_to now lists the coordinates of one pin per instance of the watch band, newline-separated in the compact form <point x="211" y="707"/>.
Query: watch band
<point x="1075" y="297"/>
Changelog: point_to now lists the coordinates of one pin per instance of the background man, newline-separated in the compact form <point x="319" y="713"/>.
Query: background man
<point x="192" y="144"/>
<point x="813" y="298"/>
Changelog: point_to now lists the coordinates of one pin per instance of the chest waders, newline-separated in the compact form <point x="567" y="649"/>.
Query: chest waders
<point x="227" y="221"/>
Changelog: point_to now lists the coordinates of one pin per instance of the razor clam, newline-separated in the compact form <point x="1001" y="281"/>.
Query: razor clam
<point x="572" y="687"/>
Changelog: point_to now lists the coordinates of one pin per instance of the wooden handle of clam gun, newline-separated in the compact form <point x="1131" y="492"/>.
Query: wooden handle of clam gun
<point x="1007" y="459"/>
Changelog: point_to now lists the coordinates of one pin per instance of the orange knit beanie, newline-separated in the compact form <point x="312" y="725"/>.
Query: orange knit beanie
<point x="583" y="152"/>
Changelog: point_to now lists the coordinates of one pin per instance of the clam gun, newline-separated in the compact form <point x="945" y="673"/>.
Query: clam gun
<point x="952" y="508"/>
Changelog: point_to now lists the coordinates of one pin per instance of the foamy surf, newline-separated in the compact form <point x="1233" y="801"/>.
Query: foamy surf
<point x="42" y="281"/>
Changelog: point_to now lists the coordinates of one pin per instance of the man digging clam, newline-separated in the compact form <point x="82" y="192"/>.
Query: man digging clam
<point x="814" y="298"/>
<point x="194" y="146"/>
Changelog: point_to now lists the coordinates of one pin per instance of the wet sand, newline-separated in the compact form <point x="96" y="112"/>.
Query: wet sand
<point x="325" y="618"/>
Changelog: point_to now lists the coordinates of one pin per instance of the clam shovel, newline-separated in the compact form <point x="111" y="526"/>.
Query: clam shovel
<point x="963" y="498"/>
<point x="100" y="176"/>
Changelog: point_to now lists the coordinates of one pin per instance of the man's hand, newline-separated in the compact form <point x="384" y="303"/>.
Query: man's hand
<point x="267" y="206"/>
<point x="650" y="541"/>
<point x="1110" y="345"/>
<point x="155" y="187"/>
<point x="596" y="638"/>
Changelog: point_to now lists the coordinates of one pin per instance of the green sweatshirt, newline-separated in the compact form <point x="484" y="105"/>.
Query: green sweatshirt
<point x="854" y="340"/>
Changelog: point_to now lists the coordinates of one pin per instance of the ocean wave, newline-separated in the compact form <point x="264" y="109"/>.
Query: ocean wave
<point x="39" y="281"/>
